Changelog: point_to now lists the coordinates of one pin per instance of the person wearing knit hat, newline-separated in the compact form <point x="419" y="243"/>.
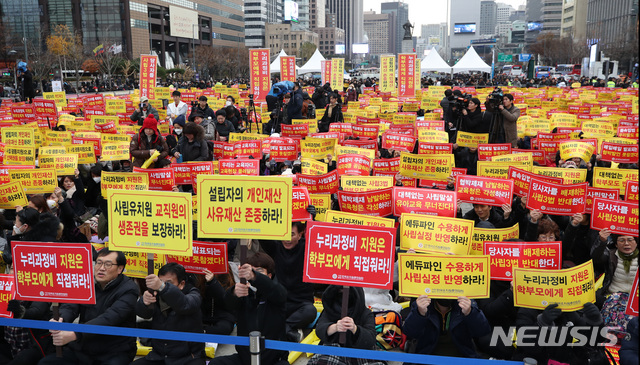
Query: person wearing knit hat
<point x="146" y="142"/>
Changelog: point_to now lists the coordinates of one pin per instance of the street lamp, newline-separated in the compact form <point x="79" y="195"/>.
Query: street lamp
<point x="193" y="49"/>
<point x="15" y="68"/>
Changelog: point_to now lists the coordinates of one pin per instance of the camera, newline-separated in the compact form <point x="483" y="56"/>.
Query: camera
<point x="194" y="104"/>
<point x="250" y="96"/>
<point x="495" y="98"/>
<point x="461" y="102"/>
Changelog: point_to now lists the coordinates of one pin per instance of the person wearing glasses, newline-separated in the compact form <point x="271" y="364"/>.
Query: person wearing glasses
<point x="116" y="297"/>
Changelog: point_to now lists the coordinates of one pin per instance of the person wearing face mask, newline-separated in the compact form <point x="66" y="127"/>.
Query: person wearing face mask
<point x="174" y="138"/>
<point x="146" y="142"/>
<point x="145" y="109"/>
<point x="93" y="195"/>
<point x="203" y="108"/>
<point x="31" y="226"/>
<point x="75" y="194"/>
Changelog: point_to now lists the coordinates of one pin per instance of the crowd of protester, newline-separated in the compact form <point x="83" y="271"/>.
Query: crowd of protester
<point x="267" y="292"/>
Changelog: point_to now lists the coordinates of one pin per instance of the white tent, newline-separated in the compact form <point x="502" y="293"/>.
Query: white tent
<point x="433" y="62"/>
<point x="275" y="65"/>
<point x="471" y="62"/>
<point x="313" y="65"/>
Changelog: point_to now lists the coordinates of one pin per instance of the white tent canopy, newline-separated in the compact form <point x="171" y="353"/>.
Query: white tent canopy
<point x="313" y="65"/>
<point x="471" y="62"/>
<point x="275" y="65"/>
<point x="433" y="62"/>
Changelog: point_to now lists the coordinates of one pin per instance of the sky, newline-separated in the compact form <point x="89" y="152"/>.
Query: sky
<point x="427" y="11"/>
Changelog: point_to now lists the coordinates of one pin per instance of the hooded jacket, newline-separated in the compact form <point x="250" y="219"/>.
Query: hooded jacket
<point x="294" y="108"/>
<point x="196" y="150"/>
<point x="365" y="336"/>
<point x="182" y="315"/>
<point x="140" y="145"/>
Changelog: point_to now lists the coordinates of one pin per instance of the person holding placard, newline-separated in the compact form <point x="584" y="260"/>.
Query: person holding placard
<point x="260" y="306"/>
<point x="446" y="327"/>
<point x="74" y="192"/>
<point x="172" y="304"/>
<point x="546" y="230"/>
<point x="146" y="142"/>
<point x="358" y="324"/>
<point x="116" y="297"/>
<point x="332" y="114"/>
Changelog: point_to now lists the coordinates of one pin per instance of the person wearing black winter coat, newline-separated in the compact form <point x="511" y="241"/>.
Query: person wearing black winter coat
<point x="294" y="108"/>
<point x="174" y="305"/>
<point x="192" y="146"/>
<point x="259" y="306"/>
<point x="445" y="326"/>
<point x="320" y="96"/>
<point x="289" y="259"/>
<point x="474" y="120"/>
<point x="39" y="342"/>
<point x="359" y="325"/>
<point x="116" y="297"/>
<point x="217" y="318"/>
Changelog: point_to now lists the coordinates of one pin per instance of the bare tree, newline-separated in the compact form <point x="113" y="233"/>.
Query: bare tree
<point x="108" y="60"/>
<point x="42" y="62"/>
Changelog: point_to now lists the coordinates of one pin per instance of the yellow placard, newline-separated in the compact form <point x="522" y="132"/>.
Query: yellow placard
<point x="60" y="97"/>
<point x="432" y="136"/>
<point x="150" y="221"/>
<point x="387" y="73"/>
<point x="335" y="216"/>
<point x="317" y="148"/>
<point x="606" y="177"/>
<point x="524" y="158"/>
<point x="569" y="176"/>
<point x="465" y="139"/>
<point x="114" y="138"/>
<point x="594" y="128"/>
<point x="365" y="183"/>
<point x="313" y="167"/>
<point x="322" y="203"/>
<point x="435" y="167"/>
<point x="313" y="124"/>
<point x="564" y="120"/>
<point x="444" y="276"/>
<point x="345" y="150"/>
<point x="115" y="151"/>
<point x="537" y="125"/>
<point x="137" y="264"/>
<point x="35" y="181"/>
<point x="12" y="195"/>
<point x="162" y="93"/>
<point x="18" y="136"/>
<point x="235" y="137"/>
<point x="244" y="206"/>
<point x="573" y="149"/>
<point x="123" y="181"/>
<point x="52" y="150"/>
<point x="569" y="288"/>
<point x="113" y="106"/>
<point x="55" y="138"/>
<point x="499" y="169"/>
<point x="63" y="164"/>
<point x="429" y="233"/>
<point x="85" y="152"/>
<point x="20" y="156"/>
<point x="482" y="235"/>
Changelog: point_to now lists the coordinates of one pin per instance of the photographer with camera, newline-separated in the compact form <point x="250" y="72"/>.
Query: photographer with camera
<point x="143" y="111"/>
<point x="202" y="107"/>
<point x="294" y="108"/>
<point x="510" y="114"/>
<point x="178" y="107"/>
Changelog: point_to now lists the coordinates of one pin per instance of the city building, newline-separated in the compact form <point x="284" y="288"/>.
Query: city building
<point x="317" y="13"/>
<point x="518" y="29"/>
<point x="463" y="21"/>
<point x="348" y="16"/>
<point x="503" y="13"/>
<point x="304" y="14"/>
<point x="284" y="36"/>
<point x="430" y="30"/>
<point x="612" y="21"/>
<point x="401" y="13"/>
<point x="257" y="13"/>
<point x="533" y="18"/>
<point x="574" y="20"/>
<point x="156" y="26"/>
<point x="551" y="16"/>
<point x="488" y="17"/>
<point x="329" y="38"/>
<point x="380" y="29"/>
